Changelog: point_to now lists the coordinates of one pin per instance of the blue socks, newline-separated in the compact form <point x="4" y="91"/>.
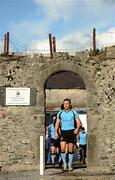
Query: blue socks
<point x="63" y="156"/>
<point x="70" y="163"/>
<point x="53" y="156"/>
<point x="70" y="159"/>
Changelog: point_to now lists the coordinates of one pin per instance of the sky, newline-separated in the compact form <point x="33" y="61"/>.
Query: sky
<point x="71" y="21"/>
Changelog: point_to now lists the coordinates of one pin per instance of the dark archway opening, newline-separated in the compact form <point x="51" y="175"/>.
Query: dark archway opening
<point x="65" y="80"/>
<point x="61" y="85"/>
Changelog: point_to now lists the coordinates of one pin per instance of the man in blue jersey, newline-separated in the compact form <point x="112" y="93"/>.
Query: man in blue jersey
<point x="54" y="142"/>
<point x="66" y="119"/>
<point x="82" y="144"/>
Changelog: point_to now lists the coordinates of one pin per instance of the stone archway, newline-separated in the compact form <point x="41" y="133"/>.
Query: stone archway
<point x="91" y="102"/>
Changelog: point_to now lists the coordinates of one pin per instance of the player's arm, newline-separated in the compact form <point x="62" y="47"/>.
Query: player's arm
<point x="59" y="131"/>
<point x="78" y="122"/>
<point x="57" y="128"/>
<point x="78" y="137"/>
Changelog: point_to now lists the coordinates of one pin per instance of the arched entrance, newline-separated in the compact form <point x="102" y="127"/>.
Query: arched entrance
<point x="59" y="86"/>
<point x="91" y="105"/>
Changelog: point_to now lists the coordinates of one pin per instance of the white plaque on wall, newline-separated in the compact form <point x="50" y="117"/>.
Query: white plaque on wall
<point x="17" y="96"/>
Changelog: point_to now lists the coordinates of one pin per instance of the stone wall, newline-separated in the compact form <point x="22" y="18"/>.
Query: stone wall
<point x="21" y="126"/>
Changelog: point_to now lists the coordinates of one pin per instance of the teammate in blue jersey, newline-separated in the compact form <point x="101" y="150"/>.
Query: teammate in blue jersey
<point x="67" y="120"/>
<point x="54" y="142"/>
<point x="82" y="144"/>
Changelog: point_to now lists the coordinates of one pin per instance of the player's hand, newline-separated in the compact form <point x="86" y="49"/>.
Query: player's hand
<point x="56" y="135"/>
<point x="76" y="131"/>
<point x="46" y="137"/>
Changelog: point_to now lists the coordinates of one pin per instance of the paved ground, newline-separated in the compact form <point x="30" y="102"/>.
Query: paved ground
<point x="34" y="175"/>
<point x="79" y="173"/>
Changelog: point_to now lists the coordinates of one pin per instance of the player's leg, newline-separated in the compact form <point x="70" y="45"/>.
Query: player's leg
<point x="53" y="151"/>
<point x="63" y="154"/>
<point x="70" y="155"/>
